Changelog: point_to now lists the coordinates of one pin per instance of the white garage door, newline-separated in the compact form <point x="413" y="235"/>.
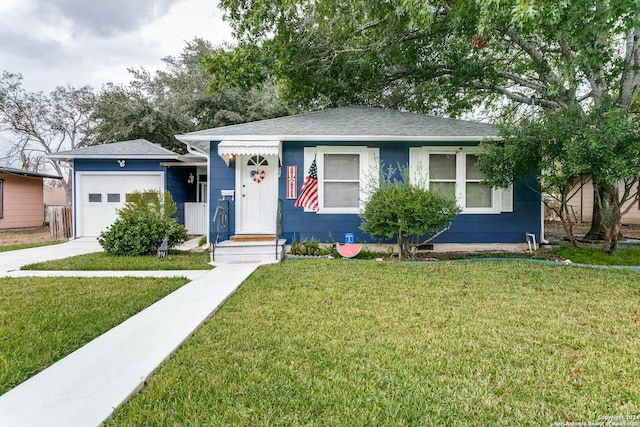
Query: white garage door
<point x="101" y="195"/>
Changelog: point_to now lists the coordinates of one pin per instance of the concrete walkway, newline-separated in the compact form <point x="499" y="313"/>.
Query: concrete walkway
<point x="85" y="387"/>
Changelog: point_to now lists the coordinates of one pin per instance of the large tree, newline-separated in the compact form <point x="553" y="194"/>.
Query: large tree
<point x="157" y="106"/>
<point x="34" y="124"/>
<point x="509" y="57"/>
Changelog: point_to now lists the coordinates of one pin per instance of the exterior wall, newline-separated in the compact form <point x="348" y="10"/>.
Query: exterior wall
<point x="23" y="204"/>
<point x="300" y="225"/>
<point x="582" y="207"/>
<point x="221" y="177"/>
<point x="181" y="191"/>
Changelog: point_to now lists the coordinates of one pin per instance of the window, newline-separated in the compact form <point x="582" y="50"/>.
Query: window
<point x="343" y="174"/>
<point x="1" y="198"/>
<point x="113" y="198"/>
<point x="454" y="172"/>
<point x="95" y="198"/>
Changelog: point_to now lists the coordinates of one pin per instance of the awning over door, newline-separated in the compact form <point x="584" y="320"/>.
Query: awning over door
<point x="227" y="149"/>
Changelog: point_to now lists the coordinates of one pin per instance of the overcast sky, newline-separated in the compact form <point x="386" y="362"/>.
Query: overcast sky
<point x="92" y="42"/>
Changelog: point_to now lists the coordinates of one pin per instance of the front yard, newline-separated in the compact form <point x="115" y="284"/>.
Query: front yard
<point x="44" y="319"/>
<point x="335" y="342"/>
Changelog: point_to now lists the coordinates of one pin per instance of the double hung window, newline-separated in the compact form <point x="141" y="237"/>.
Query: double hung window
<point x="454" y="172"/>
<point x="343" y="176"/>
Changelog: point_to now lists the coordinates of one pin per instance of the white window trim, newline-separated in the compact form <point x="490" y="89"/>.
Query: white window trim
<point x="368" y="165"/>
<point x="501" y="199"/>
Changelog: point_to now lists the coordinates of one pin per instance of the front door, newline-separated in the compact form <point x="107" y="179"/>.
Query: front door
<point x="258" y="194"/>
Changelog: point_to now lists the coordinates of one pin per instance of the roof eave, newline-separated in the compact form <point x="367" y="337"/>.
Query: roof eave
<point x="190" y="139"/>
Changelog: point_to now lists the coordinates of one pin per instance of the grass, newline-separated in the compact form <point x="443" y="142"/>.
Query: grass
<point x="593" y="255"/>
<point x="44" y="319"/>
<point x="177" y="260"/>
<point x="17" y="247"/>
<point x="352" y="343"/>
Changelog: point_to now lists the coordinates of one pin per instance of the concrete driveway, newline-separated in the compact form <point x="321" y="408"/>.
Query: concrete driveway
<point x="13" y="260"/>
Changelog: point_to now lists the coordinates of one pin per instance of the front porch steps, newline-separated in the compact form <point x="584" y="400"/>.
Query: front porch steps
<point x="246" y="248"/>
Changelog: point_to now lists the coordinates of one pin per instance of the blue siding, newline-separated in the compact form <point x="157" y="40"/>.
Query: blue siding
<point x="221" y="177"/>
<point x="299" y="225"/>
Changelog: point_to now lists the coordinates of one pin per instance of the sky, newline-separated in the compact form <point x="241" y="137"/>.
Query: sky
<point x="92" y="42"/>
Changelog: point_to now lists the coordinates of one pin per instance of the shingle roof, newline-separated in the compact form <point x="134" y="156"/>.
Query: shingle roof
<point x="137" y="148"/>
<point x="356" y="122"/>
<point x="23" y="172"/>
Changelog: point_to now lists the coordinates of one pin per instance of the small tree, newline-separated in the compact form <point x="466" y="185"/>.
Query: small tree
<point x="142" y="224"/>
<point x="408" y="211"/>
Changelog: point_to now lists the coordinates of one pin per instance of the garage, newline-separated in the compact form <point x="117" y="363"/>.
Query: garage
<point x="100" y="195"/>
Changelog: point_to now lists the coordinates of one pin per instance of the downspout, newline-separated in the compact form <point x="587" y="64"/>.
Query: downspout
<point x="197" y="152"/>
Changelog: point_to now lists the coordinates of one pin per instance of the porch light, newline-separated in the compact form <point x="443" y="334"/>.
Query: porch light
<point x="191" y="178"/>
<point x="121" y="163"/>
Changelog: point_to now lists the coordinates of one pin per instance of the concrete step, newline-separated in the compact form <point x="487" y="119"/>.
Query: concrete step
<point x="249" y="251"/>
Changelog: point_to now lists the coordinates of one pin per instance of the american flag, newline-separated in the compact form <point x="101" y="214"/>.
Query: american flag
<point x="309" y="192"/>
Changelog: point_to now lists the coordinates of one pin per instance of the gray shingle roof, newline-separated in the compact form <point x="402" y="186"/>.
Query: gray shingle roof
<point x="355" y="122"/>
<point x="137" y="148"/>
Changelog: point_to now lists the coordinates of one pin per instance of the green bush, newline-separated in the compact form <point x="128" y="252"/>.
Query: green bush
<point x="410" y="212"/>
<point x="142" y="224"/>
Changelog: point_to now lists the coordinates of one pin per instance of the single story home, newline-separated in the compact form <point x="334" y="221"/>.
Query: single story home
<point x="21" y="198"/>
<point x="247" y="180"/>
<point x="259" y="168"/>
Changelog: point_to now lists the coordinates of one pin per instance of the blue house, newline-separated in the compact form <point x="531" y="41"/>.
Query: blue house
<point x="248" y="178"/>
<point x="256" y="171"/>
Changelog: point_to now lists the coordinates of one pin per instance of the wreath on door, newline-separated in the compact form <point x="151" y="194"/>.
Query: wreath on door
<point x="257" y="175"/>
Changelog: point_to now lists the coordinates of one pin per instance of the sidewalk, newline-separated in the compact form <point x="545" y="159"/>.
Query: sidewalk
<point x="85" y="387"/>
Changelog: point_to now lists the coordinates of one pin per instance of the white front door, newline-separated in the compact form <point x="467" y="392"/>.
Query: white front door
<point x="257" y="194"/>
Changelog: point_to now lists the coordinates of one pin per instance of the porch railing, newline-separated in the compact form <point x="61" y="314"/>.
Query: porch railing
<point x="220" y="223"/>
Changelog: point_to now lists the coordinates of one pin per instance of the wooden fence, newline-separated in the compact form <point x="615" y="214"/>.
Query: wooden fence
<point x="60" y="222"/>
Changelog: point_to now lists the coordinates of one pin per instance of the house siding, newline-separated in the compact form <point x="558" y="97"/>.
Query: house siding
<point x="23" y="204"/>
<point x="300" y="225"/>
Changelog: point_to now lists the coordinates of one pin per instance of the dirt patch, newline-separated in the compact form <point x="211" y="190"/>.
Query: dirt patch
<point x="554" y="232"/>
<point x="25" y="236"/>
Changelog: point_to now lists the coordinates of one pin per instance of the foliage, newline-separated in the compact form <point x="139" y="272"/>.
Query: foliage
<point x="406" y="211"/>
<point x="343" y="343"/>
<point x="46" y="318"/>
<point x="309" y="247"/>
<point x="142" y="224"/>
<point x="176" y="260"/>
<point x="36" y="124"/>
<point x="566" y="147"/>
<point x="440" y="56"/>
<point x="157" y="106"/>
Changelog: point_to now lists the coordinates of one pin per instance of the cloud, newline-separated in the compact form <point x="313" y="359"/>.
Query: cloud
<point x="51" y="45"/>
<point x="108" y="17"/>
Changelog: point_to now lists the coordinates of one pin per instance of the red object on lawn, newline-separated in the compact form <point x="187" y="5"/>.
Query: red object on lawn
<point x="349" y="250"/>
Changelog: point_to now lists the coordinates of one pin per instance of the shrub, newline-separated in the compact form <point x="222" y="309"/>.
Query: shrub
<point x="142" y="224"/>
<point x="410" y="212"/>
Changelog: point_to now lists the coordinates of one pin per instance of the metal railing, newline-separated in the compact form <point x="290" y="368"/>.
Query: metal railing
<point x="220" y="223"/>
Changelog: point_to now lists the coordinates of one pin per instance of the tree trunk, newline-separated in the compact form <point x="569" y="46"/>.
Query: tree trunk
<point x="607" y="201"/>
<point x="596" y="232"/>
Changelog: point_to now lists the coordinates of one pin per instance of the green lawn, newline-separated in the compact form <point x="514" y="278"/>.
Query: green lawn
<point x="352" y="343"/>
<point x="176" y="260"/>
<point x="19" y="246"/>
<point x="44" y="319"/>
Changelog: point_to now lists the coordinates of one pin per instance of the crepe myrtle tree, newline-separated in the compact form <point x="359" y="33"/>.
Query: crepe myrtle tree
<point x="407" y="211"/>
